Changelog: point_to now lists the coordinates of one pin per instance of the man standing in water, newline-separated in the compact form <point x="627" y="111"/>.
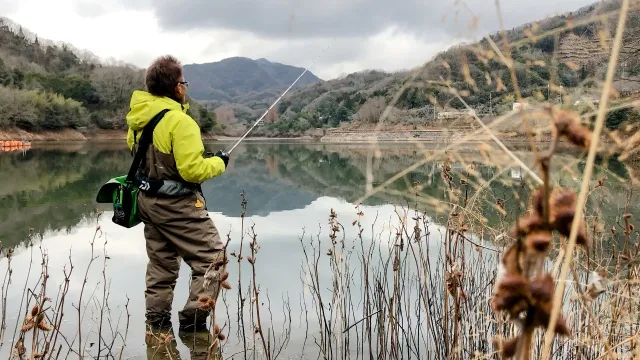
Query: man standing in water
<point x="174" y="212"/>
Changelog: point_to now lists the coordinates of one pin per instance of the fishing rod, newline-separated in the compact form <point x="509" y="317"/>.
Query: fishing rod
<point x="266" y="112"/>
<point x="229" y="150"/>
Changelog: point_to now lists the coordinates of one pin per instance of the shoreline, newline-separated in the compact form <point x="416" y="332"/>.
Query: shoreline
<point x="71" y="135"/>
<point x="332" y="136"/>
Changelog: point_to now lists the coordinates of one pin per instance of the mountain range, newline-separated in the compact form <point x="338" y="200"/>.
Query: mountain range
<point x="557" y="59"/>
<point x="235" y="77"/>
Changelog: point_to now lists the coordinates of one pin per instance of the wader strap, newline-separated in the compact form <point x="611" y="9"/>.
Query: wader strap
<point x="145" y="139"/>
<point x="135" y="142"/>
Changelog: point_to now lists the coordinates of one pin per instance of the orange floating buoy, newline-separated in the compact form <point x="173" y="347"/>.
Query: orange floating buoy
<point x="12" y="145"/>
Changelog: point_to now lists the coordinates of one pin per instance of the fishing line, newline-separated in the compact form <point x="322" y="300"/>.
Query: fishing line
<point x="229" y="150"/>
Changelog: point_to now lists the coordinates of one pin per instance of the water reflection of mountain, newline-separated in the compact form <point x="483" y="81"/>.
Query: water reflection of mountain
<point x="264" y="194"/>
<point x="53" y="188"/>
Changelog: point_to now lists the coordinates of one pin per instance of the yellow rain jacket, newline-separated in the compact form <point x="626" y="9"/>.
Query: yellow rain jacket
<point x="176" y="133"/>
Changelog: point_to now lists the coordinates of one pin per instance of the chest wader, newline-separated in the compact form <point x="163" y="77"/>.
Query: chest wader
<point x="176" y="225"/>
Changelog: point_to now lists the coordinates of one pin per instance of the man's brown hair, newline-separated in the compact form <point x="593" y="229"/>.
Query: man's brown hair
<point x="163" y="76"/>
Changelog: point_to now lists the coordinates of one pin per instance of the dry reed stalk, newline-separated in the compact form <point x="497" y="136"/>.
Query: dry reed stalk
<point x="548" y="340"/>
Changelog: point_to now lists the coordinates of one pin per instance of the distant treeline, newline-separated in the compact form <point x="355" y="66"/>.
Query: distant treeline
<point x="50" y="87"/>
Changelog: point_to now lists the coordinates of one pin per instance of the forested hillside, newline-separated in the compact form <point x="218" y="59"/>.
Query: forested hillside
<point x="562" y="59"/>
<point x="44" y="86"/>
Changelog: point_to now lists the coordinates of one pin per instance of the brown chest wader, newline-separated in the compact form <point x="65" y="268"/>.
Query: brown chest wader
<point x="176" y="225"/>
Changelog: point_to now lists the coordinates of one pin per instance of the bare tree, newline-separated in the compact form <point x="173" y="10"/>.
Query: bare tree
<point x="225" y="114"/>
<point x="372" y="109"/>
<point x="115" y="84"/>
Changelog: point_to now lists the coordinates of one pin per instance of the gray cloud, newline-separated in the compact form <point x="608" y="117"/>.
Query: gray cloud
<point x="89" y="9"/>
<point x="348" y="18"/>
<point x="387" y="51"/>
<point x="363" y="34"/>
<point x="7" y="7"/>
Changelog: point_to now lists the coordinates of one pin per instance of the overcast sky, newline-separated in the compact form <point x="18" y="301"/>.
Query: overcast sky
<point x="344" y="35"/>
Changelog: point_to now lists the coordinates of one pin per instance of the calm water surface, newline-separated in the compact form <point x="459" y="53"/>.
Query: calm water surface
<point x="47" y="201"/>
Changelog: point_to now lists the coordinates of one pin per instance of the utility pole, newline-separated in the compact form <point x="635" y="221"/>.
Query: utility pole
<point x="490" y="105"/>
<point x="548" y="92"/>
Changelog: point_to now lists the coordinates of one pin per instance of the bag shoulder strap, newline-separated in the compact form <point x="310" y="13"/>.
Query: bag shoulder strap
<point x="145" y="139"/>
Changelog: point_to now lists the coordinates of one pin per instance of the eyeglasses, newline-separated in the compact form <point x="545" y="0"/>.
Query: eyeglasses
<point x="185" y="83"/>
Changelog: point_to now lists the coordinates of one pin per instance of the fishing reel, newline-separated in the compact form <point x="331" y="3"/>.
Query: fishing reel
<point x="221" y="154"/>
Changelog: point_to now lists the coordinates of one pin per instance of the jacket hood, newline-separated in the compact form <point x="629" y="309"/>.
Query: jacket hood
<point x="144" y="106"/>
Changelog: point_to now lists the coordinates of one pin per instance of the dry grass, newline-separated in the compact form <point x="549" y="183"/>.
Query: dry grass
<point x="416" y="289"/>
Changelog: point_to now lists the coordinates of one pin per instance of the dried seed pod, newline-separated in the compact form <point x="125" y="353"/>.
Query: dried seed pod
<point x="567" y="125"/>
<point x="563" y="198"/>
<point x="217" y="332"/>
<point x="512" y="295"/>
<point x="508" y="347"/>
<point x="42" y="325"/>
<point x="226" y="285"/>
<point x="206" y="302"/>
<point x="538" y="241"/>
<point x="541" y="288"/>
<point x="563" y="220"/>
<point x="580" y="136"/>
<point x="219" y="263"/>
<point x="28" y="325"/>
<point x="20" y="349"/>
<point x="525" y="225"/>
<point x="452" y="280"/>
<point x="542" y="317"/>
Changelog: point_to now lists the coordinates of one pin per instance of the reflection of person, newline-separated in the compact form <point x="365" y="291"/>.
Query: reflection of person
<point x="163" y="345"/>
<point x="177" y="223"/>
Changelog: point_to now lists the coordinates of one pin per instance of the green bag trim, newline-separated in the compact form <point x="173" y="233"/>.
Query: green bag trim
<point x="115" y="191"/>
<point x="107" y="194"/>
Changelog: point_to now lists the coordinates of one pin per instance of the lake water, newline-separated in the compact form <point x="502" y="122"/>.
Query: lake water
<point x="47" y="207"/>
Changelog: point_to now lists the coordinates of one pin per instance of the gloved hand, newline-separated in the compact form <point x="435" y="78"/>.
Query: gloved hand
<point x="224" y="156"/>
